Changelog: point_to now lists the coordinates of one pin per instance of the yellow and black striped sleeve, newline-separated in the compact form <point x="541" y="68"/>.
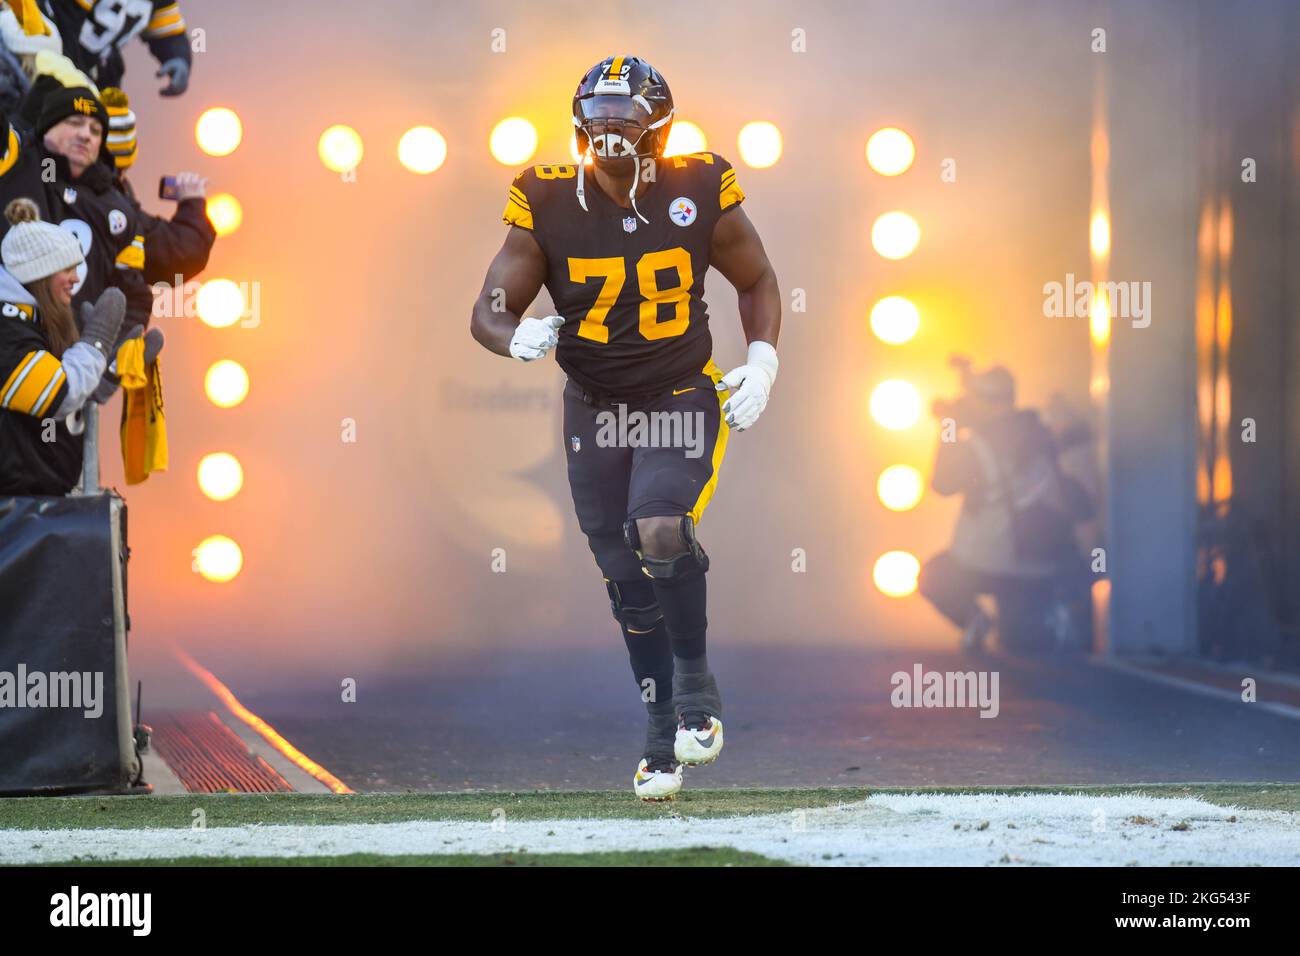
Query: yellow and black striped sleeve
<point x="35" y="384"/>
<point x="519" y="210"/>
<point x="729" y="191"/>
<point x="165" y="22"/>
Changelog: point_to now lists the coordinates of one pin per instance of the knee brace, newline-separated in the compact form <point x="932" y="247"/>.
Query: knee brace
<point x="633" y="605"/>
<point x="691" y="562"/>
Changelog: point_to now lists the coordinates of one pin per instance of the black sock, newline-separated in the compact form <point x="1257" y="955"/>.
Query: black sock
<point x="682" y="601"/>
<point x="649" y="650"/>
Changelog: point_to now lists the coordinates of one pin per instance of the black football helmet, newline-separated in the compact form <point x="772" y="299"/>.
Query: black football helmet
<point x="622" y="108"/>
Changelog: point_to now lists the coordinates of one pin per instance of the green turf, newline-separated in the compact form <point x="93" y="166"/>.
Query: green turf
<point x="692" y="856"/>
<point x="221" y="810"/>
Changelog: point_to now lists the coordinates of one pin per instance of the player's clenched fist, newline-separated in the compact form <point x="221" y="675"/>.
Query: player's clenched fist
<point x="749" y="386"/>
<point x="533" y="338"/>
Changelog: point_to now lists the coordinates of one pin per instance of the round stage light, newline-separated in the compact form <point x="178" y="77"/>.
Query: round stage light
<point x="226" y="383"/>
<point x="685" y="137"/>
<point x="890" y="151"/>
<point x="220" y="303"/>
<point x="219" y="131"/>
<point x="226" y="213"/>
<point x="220" y="475"/>
<point x="422" y="149"/>
<point x="895" y="404"/>
<point x="760" y="144"/>
<point x="895" y="235"/>
<point x="340" y="148"/>
<point x="895" y="573"/>
<point x="513" y="141"/>
<point x="218" y="558"/>
<point x="895" y="319"/>
<point x="899" y="487"/>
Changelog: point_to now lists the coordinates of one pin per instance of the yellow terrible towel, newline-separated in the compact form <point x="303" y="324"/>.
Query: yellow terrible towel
<point x="144" y="425"/>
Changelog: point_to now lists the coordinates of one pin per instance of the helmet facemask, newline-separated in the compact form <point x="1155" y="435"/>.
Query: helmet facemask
<point x="616" y="127"/>
<point x="616" y="124"/>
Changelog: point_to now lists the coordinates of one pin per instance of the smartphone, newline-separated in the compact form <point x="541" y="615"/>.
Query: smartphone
<point x="167" y="188"/>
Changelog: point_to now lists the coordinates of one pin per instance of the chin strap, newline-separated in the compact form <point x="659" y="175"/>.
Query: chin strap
<point x="631" y="193"/>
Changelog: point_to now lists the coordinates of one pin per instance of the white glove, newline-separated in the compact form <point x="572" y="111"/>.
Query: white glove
<point x="749" y="386"/>
<point x="533" y="338"/>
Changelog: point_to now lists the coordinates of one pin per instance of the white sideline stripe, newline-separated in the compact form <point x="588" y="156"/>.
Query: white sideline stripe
<point x="1183" y="683"/>
<point x="887" y="829"/>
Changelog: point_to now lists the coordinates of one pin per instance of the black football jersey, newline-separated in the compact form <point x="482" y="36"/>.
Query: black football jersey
<point x="632" y="292"/>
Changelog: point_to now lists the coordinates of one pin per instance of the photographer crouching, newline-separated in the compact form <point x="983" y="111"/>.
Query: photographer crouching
<point x="1014" y="538"/>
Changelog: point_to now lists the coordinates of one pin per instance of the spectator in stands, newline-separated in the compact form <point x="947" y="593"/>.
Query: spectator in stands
<point x="47" y="368"/>
<point x="179" y="246"/>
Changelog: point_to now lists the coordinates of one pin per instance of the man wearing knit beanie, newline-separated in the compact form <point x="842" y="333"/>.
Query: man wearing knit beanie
<point x="70" y="123"/>
<point x="82" y="124"/>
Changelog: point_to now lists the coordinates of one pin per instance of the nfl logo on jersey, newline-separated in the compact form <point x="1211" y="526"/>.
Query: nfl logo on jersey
<point x="575" y="442"/>
<point x="629" y="224"/>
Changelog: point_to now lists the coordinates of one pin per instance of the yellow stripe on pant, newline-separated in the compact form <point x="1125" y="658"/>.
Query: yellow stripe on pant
<point x="719" y="447"/>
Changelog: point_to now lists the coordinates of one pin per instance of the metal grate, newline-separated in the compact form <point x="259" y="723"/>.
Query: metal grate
<point x="209" y="757"/>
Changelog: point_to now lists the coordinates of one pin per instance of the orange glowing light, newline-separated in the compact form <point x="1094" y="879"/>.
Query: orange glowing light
<point x="218" y="559"/>
<point x="220" y="475"/>
<point x="226" y="383"/>
<point x="226" y="213"/>
<point x="895" y="404"/>
<point x="890" y="151"/>
<point x="422" y="150"/>
<point x="895" y="573"/>
<point x="760" y="144"/>
<point x="899" y="487"/>
<point x="895" y="235"/>
<point x="220" y="303"/>
<point x="219" y="131"/>
<point x="685" y="137"/>
<point x="895" y="319"/>
<point x="1099" y="234"/>
<point x="340" y="148"/>
<point x="268" y="733"/>
<point x="513" y="141"/>
<point x="1099" y="317"/>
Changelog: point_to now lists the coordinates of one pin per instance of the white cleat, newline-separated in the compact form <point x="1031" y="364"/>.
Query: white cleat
<point x="662" y="782"/>
<point x="699" y="739"/>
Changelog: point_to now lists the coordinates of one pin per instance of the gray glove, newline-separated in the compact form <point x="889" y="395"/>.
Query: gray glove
<point x="100" y="322"/>
<point x="177" y="72"/>
<point x="153" y="343"/>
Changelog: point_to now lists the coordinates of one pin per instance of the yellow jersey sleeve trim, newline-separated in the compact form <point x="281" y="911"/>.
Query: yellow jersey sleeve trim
<point x="166" y="22"/>
<point x="517" y="213"/>
<point x="729" y="193"/>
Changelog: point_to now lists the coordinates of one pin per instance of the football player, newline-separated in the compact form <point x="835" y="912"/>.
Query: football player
<point x="622" y="241"/>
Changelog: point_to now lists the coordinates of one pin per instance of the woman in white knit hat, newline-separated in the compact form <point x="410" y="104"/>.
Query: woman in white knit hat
<point x="48" y="368"/>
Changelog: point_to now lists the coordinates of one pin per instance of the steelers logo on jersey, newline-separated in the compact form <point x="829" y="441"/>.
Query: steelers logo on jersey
<point x="682" y="211"/>
<point x="116" y="221"/>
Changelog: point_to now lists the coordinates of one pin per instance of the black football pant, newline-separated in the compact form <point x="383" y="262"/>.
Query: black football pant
<point x="656" y="456"/>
